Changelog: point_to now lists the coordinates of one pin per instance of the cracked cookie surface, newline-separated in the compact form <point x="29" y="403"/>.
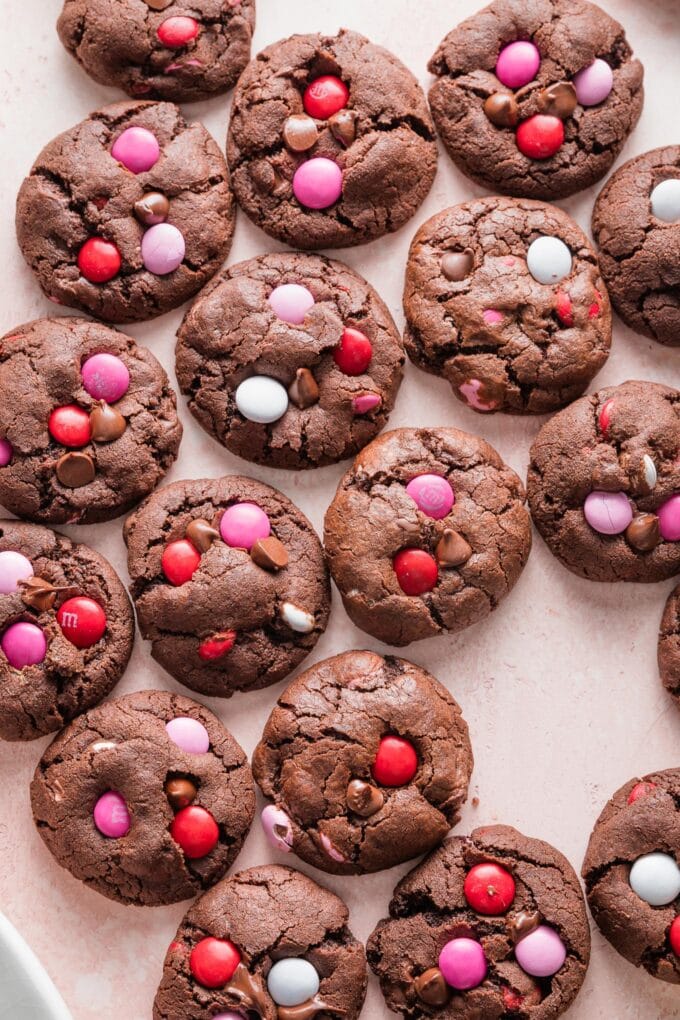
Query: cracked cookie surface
<point x="43" y="697"/>
<point x="232" y="333"/>
<point x="321" y="742"/>
<point x="268" y="914"/>
<point x="480" y="545"/>
<point x="669" y="645"/>
<point x="621" y="443"/>
<point x="78" y="191"/>
<point x="639" y="251"/>
<point x="642" y="818"/>
<point x="124" y="47"/>
<point x="477" y="316"/>
<point x="569" y="35"/>
<point x="229" y="599"/>
<point x="41" y="371"/>
<point x="124" y="746"/>
<point x="386" y="153"/>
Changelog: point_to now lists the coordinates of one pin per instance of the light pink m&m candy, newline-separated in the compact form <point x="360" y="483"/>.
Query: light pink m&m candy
<point x="5" y="452"/>
<point x="463" y="964"/>
<point x="291" y="302"/>
<point x="242" y="524"/>
<point x="111" y="815"/>
<point x="24" y="644"/>
<point x="610" y="513"/>
<point x="317" y="183"/>
<point x="277" y="828"/>
<point x="229" y="1016"/>
<point x="137" y="149"/>
<point x="541" y="953"/>
<point x="432" y="494"/>
<point x="594" y="83"/>
<point x="13" y="568"/>
<point x="517" y="64"/>
<point x="669" y="519"/>
<point x="189" y="734"/>
<point x="105" y="377"/>
<point x="163" y="249"/>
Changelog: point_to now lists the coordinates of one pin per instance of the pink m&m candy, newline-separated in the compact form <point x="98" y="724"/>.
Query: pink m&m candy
<point x="463" y="964"/>
<point x="277" y="828"/>
<point x="24" y="644"/>
<point x="137" y="149"/>
<point x="517" y="64"/>
<point x="291" y="302"/>
<point x="105" y="377"/>
<point x="242" y="524"/>
<point x="317" y="184"/>
<point x="669" y="519"/>
<point x="594" y="83"/>
<point x="432" y="494"/>
<point x="5" y="452"/>
<point x="111" y="815"/>
<point x="189" y="734"/>
<point x="541" y="953"/>
<point x="13" y="568"/>
<point x="163" y="249"/>
<point x="610" y="513"/>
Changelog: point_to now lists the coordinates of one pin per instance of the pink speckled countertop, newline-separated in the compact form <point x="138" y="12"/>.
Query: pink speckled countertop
<point x="560" y="686"/>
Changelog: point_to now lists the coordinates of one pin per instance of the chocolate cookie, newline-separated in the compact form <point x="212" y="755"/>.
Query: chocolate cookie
<point x="146" y="799"/>
<point x="632" y="873"/>
<point x="504" y="300"/>
<point x="604" y="483"/>
<point x="290" y="360"/>
<point x="330" y="141"/>
<point x="636" y="223"/>
<point x="127" y="214"/>
<point x="367" y="760"/>
<point x="268" y="942"/>
<point x="229" y="582"/>
<point x="490" y="925"/>
<point x="66" y="630"/>
<point x="158" y="48"/>
<point x="426" y="534"/>
<point x="536" y="97"/>
<point x="88" y="422"/>
<point x="669" y="645"/>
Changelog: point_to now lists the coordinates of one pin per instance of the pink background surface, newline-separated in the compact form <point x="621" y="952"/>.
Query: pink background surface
<point x="559" y="687"/>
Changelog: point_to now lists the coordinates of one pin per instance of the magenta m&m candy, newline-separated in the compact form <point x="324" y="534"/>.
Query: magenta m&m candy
<point x="163" y="249"/>
<point x="669" y="519"/>
<point x="517" y="64"/>
<point x="594" y="83"/>
<point x="188" y="734"/>
<point x="99" y="260"/>
<point x="432" y="494"/>
<point x="14" y="567"/>
<point x="278" y="828"/>
<point x="82" y="621"/>
<point x="609" y="513"/>
<point x="111" y="815"/>
<point x="105" y="377"/>
<point x="242" y="524"/>
<point x="177" y="31"/>
<point x="291" y="302"/>
<point x="317" y="183"/>
<point x="137" y="149"/>
<point x="6" y="452"/>
<point x="24" y="644"/>
<point x="541" y="953"/>
<point x="463" y="964"/>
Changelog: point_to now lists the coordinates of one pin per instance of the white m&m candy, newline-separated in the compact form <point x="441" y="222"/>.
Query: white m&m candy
<point x="548" y="259"/>
<point x="292" y="982"/>
<point x="656" y="879"/>
<point x="262" y="399"/>
<point x="665" y="200"/>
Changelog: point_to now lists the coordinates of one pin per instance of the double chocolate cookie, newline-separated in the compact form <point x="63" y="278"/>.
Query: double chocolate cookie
<point x="426" y="534"/>
<point x="66" y="630"/>
<point x="88" y="422"/>
<point x="229" y="582"/>
<point x="604" y="483"/>
<point x="330" y="141"/>
<point x="268" y="942"/>
<point x="146" y="799"/>
<point x="504" y="299"/>
<point x="290" y="360"/>
<point x="536" y="97"/>
<point x="669" y="645"/>
<point x="127" y="214"/>
<point x="636" y="223"/>
<point x="490" y="925"/>
<point x="160" y="49"/>
<point x="367" y="761"/>
<point x="632" y="873"/>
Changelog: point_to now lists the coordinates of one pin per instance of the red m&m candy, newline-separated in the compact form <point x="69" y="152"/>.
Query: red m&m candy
<point x="417" y="572"/>
<point x="354" y="352"/>
<point x="216" y="646"/>
<point x="70" y="426"/>
<point x="640" y="790"/>
<point x="540" y="136"/>
<point x="396" y="762"/>
<point x="489" y="889"/>
<point x="82" y="621"/>
<point x="605" y="417"/>
<point x="99" y="260"/>
<point x="325" y="96"/>
<point x="178" y="31"/>
<point x="213" y="962"/>
<point x="196" y="831"/>
<point x="180" y="561"/>
<point x="674" y="936"/>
